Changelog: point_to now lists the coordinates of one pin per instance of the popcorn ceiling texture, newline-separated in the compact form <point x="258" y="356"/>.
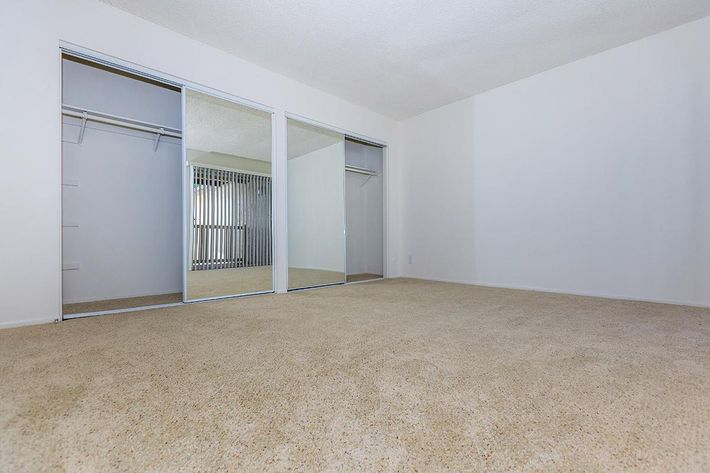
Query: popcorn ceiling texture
<point x="220" y="126"/>
<point x="402" y="57"/>
<point x="394" y="375"/>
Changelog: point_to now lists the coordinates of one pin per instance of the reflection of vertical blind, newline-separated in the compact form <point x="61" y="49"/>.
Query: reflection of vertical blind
<point x="231" y="219"/>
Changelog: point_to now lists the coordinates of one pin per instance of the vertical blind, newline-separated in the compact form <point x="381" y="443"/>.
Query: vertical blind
<point x="231" y="219"/>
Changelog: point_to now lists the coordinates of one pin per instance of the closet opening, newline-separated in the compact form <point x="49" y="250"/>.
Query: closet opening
<point x="364" y="210"/>
<point x="121" y="190"/>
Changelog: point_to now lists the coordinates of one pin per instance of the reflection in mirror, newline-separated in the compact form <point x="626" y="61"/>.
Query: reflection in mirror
<point x="316" y="206"/>
<point x="228" y="150"/>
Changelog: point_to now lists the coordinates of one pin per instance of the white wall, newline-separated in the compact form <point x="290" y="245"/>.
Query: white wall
<point x="31" y="31"/>
<point x="123" y="236"/>
<point x="590" y="178"/>
<point x="316" y="209"/>
<point x="363" y="209"/>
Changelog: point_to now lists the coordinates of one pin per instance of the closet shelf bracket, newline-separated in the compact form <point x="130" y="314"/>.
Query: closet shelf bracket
<point x="158" y="134"/>
<point x="84" y="117"/>
<point x="368" y="178"/>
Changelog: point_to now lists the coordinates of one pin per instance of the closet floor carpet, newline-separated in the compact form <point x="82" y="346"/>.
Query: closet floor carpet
<point x="393" y="375"/>
<point x="125" y="303"/>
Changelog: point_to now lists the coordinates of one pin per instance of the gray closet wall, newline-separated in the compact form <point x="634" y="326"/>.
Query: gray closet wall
<point x="364" y="209"/>
<point x="121" y="197"/>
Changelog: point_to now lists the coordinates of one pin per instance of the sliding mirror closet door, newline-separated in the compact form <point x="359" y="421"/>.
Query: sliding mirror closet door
<point x="229" y="194"/>
<point x="316" y="206"/>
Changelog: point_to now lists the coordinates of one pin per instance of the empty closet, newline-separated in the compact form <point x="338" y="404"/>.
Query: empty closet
<point x="364" y="208"/>
<point x="121" y="190"/>
<point x="168" y="197"/>
<point x="166" y="192"/>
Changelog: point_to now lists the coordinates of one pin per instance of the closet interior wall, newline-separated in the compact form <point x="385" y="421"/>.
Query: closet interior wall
<point x="364" y="211"/>
<point x="121" y="193"/>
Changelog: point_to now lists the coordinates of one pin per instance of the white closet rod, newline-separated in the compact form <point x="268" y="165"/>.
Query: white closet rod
<point x="363" y="171"/>
<point x="118" y="120"/>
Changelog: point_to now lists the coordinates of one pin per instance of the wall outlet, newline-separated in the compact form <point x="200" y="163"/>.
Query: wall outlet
<point x="411" y="258"/>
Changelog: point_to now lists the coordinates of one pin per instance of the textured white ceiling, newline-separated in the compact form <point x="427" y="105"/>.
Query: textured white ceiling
<point x="403" y="57"/>
<point x="216" y="125"/>
<point x="304" y="138"/>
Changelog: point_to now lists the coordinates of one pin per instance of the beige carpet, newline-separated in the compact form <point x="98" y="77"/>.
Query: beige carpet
<point x="125" y="303"/>
<point x="394" y="375"/>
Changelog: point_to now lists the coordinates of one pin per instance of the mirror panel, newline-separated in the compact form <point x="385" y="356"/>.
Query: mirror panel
<point x="316" y="206"/>
<point x="229" y="192"/>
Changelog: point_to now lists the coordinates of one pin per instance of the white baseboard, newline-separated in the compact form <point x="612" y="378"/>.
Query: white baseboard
<point x="22" y="323"/>
<point x="600" y="295"/>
